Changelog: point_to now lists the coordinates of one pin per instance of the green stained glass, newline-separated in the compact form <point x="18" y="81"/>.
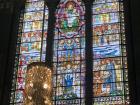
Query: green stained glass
<point x="69" y="49"/>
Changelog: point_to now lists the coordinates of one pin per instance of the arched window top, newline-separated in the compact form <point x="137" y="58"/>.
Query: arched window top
<point x="34" y="6"/>
<point x="66" y="4"/>
<point x="31" y="44"/>
<point x="67" y="11"/>
<point x="110" y="72"/>
<point x="69" y="53"/>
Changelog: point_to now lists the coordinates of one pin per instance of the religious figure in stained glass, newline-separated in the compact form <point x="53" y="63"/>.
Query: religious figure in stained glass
<point x="68" y="46"/>
<point x="68" y="50"/>
<point x="30" y="45"/>
<point x="110" y="83"/>
<point x="110" y="67"/>
<point x="70" y="17"/>
<point x="109" y="60"/>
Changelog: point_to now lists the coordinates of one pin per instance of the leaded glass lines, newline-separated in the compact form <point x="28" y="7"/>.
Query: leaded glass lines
<point x="110" y="72"/>
<point x="69" y="53"/>
<point x="31" y="45"/>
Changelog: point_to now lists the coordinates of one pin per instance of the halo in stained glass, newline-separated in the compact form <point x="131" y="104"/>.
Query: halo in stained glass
<point x="69" y="48"/>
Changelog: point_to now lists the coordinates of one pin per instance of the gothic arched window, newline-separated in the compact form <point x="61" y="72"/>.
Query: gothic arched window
<point x="31" y="44"/>
<point x="110" y="72"/>
<point x="69" y="53"/>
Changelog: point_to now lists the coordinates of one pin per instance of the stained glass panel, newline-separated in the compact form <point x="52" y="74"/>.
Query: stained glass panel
<point x="69" y="50"/>
<point x="31" y="45"/>
<point x="110" y="72"/>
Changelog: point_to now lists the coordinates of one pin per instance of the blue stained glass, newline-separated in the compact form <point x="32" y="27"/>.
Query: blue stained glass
<point x="19" y="96"/>
<point x="31" y="45"/>
<point x="109" y="54"/>
<point x="69" y="49"/>
<point x="107" y="51"/>
<point x="110" y="69"/>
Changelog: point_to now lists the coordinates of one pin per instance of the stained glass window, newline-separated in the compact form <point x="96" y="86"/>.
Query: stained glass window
<point x="110" y="72"/>
<point x="31" y="45"/>
<point x="69" y="53"/>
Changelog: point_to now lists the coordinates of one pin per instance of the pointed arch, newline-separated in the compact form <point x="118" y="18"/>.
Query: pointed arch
<point x="69" y="53"/>
<point x="110" y="72"/>
<point x="31" y="44"/>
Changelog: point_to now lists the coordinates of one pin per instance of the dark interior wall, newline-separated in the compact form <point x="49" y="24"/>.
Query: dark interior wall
<point x="9" y="18"/>
<point x="5" y="29"/>
<point x="6" y="35"/>
<point x="135" y="19"/>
